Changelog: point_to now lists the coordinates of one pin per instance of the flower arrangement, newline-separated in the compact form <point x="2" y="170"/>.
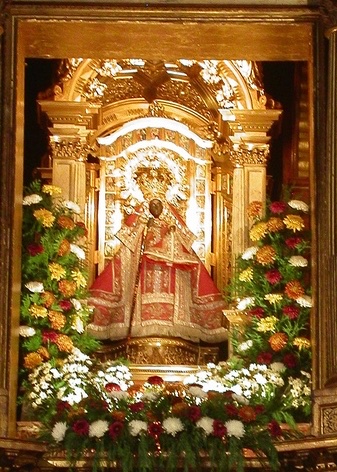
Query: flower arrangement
<point x="163" y="424"/>
<point x="54" y="281"/>
<point x="219" y="413"/>
<point x="271" y="288"/>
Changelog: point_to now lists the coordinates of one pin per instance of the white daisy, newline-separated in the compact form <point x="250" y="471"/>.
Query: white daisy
<point x="298" y="261"/>
<point x="78" y="251"/>
<point x="299" y="205"/>
<point x="173" y="425"/>
<point x="249" y="253"/>
<point x="244" y="303"/>
<point x="32" y="199"/>
<point x="206" y="424"/>
<point x="98" y="428"/>
<point x="72" y="206"/>
<point x="26" y="331"/>
<point x="137" y="426"/>
<point x="304" y="301"/>
<point x="59" y="431"/>
<point x="235" y="428"/>
<point x="35" y="287"/>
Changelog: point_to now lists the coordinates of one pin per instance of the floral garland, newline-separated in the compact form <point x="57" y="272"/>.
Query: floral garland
<point x="220" y="412"/>
<point x="272" y="291"/>
<point x="53" y="309"/>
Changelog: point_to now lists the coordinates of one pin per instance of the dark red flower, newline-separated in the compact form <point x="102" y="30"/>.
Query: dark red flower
<point x="219" y="429"/>
<point x="265" y="358"/>
<point x="277" y="207"/>
<point x="81" y="427"/>
<point x="257" y="312"/>
<point x="155" y="380"/>
<point x="293" y="242"/>
<point x="49" y="336"/>
<point x="62" y="406"/>
<point x="115" y="429"/>
<point x="273" y="276"/>
<point x="259" y="409"/>
<point x="34" y="249"/>
<point x="274" y="428"/>
<point x="112" y="387"/>
<point x="231" y="410"/>
<point x="290" y="361"/>
<point x="194" y="413"/>
<point x="81" y="225"/>
<point x="155" y="429"/>
<point x="247" y="413"/>
<point x="136" y="407"/>
<point x="291" y="311"/>
<point x="66" y="305"/>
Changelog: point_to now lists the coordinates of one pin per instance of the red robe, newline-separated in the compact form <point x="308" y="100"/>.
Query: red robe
<point x="175" y="297"/>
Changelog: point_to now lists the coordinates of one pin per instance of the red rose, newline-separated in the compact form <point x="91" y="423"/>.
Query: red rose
<point x="112" y="387"/>
<point x="291" y="311"/>
<point x="231" y="410"/>
<point x="115" y="429"/>
<point x="293" y="242"/>
<point x="219" y="429"/>
<point x="49" y="336"/>
<point x="34" y="249"/>
<point x="194" y="413"/>
<point x="155" y="429"/>
<point x="258" y="312"/>
<point x="265" y="358"/>
<point x="274" y="428"/>
<point x="273" y="276"/>
<point x="277" y="207"/>
<point x="290" y="361"/>
<point x="155" y="380"/>
<point x="66" y="305"/>
<point x="81" y="427"/>
<point x="136" y="407"/>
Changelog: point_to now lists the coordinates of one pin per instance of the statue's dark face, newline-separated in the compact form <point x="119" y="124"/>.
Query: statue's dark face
<point x="155" y="207"/>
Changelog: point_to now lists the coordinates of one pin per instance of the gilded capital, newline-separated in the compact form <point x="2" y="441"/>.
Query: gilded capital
<point x="240" y="156"/>
<point x="65" y="149"/>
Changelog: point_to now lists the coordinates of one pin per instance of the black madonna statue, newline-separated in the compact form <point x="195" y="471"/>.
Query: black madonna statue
<point x="156" y="288"/>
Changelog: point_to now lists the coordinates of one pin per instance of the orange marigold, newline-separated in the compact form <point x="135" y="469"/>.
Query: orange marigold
<point x="65" y="222"/>
<point x="32" y="360"/>
<point x="44" y="353"/>
<point x="48" y="298"/>
<point x="265" y="255"/>
<point x="179" y="409"/>
<point x="64" y="248"/>
<point x="57" y="319"/>
<point x="294" y="289"/>
<point x="247" y="413"/>
<point x="64" y="343"/>
<point x="67" y="288"/>
<point x="278" y="341"/>
<point x="255" y="209"/>
<point x="118" y="415"/>
<point x="275" y="224"/>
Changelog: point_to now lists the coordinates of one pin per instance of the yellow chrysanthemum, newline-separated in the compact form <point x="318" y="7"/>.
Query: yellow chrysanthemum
<point x="273" y="298"/>
<point x="265" y="255"/>
<point x="246" y="275"/>
<point x="266" y="324"/>
<point x="67" y="288"/>
<point x="258" y="231"/>
<point x="38" y="311"/>
<point x="294" y="222"/>
<point x="45" y="217"/>
<point x="79" y="278"/>
<point x="57" y="272"/>
<point x="302" y="343"/>
<point x="52" y="190"/>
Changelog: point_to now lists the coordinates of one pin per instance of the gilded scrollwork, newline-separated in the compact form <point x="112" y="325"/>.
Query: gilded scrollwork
<point x="74" y="150"/>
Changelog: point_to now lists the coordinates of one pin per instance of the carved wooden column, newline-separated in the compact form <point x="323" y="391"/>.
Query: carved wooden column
<point x="325" y="324"/>
<point x="72" y="123"/>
